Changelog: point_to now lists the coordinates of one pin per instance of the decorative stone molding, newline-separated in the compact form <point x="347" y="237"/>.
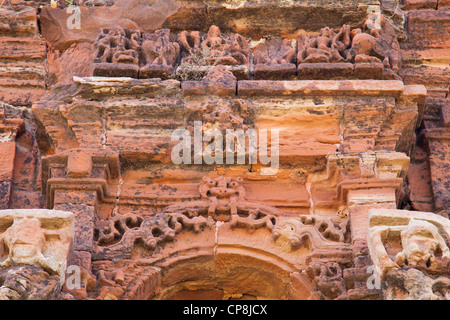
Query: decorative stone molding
<point x="223" y="201"/>
<point x="201" y="52"/>
<point x="343" y="53"/>
<point x="117" y="53"/>
<point x="22" y="58"/>
<point x="329" y="279"/>
<point x="363" y="171"/>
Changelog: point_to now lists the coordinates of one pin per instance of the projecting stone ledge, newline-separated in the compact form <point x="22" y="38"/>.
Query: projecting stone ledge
<point x="106" y="87"/>
<point x="321" y="87"/>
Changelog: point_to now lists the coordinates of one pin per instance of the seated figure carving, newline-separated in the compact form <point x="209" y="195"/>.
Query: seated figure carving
<point x="159" y="54"/>
<point x="328" y="47"/>
<point x="117" y="53"/>
<point x="117" y="45"/>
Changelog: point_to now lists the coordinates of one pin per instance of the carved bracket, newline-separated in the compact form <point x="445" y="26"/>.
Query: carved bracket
<point x="79" y="169"/>
<point x="41" y="239"/>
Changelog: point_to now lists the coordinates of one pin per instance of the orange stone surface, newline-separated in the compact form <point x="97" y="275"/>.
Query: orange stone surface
<point x="225" y="150"/>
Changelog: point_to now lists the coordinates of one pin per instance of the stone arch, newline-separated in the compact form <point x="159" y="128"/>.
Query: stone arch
<point x="221" y="261"/>
<point x="234" y="272"/>
<point x="219" y="246"/>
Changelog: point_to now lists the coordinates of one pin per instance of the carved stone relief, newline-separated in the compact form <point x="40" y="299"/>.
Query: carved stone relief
<point x="35" y="246"/>
<point x="410" y="251"/>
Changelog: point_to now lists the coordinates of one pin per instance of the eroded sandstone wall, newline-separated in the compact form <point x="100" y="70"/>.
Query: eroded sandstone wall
<point x="357" y="90"/>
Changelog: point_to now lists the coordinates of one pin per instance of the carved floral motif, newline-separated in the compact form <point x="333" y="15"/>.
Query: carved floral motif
<point x="328" y="278"/>
<point x="309" y="231"/>
<point x="221" y="199"/>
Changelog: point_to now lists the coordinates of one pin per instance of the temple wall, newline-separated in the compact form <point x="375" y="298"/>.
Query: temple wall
<point x="114" y="120"/>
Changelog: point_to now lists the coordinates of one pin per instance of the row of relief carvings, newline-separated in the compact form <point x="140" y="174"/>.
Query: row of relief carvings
<point x="348" y="45"/>
<point x="131" y="53"/>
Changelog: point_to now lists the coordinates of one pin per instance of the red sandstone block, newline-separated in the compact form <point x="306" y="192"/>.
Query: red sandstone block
<point x="5" y="190"/>
<point x="274" y="72"/>
<point x="428" y="28"/>
<point x="445" y="114"/>
<point x="219" y="82"/>
<point x="19" y="23"/>
<point x="155" y="71"/>
<point x="195" y="88"/>
<point x="7" y="155"/>
<point x="75" y="197"/>
<point x="82" y="259"/>
<point x="22" y="199"/>
<point x="325" y="70"/>
<point x="29" y="50"/>
<point x="79" y="164"/>
<point x="116" y="70"/>
<point x="84" y="224"/>
<point x="416" y="94"/>
<point x="368" y="70"/>
<point x="420" y="4"/>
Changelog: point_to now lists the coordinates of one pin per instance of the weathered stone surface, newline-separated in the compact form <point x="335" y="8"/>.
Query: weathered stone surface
<point x="275" y="59"/>
<point x="407" y="248"/>
<point x="38" y="238"/>
<point x="27" y="282"/>
<point x="344" y="114"/>
<point x="76" y="61"/>
<point x="22" y="57"/>
<point x="219" y="81"/>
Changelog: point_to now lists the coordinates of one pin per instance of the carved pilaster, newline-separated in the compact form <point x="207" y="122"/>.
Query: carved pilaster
<point x="76" y="180"/>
